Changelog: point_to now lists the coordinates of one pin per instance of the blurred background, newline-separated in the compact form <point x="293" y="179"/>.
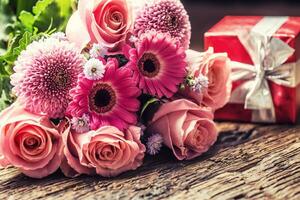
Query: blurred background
<point x="205" y="13"/>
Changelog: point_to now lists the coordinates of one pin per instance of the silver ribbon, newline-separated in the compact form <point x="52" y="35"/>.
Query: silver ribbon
<point x="268" y="55"/>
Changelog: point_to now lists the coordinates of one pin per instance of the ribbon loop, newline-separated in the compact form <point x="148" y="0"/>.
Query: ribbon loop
<point x="268" y="55"/>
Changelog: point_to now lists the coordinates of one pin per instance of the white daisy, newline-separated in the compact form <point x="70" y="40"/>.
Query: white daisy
<point x="94" y="69"/>
<point x="80" y="124"/>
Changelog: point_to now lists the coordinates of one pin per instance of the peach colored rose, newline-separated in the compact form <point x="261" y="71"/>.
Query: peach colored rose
<point x="30" y="142"/>
<point x="106" y="151"/>
<point x="100" y="21"/>
<point x="216" y="67"/>
<point x="3" y="162"/>
<point x="187" y="129"/>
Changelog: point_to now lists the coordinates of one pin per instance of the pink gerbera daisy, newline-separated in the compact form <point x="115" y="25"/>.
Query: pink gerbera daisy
<point x="111" y="100"/>
<point x="44" y="75"/>
<point x="158" y="63"/>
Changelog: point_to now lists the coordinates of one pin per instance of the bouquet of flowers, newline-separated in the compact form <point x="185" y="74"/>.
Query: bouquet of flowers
<point x="121" y="83"/>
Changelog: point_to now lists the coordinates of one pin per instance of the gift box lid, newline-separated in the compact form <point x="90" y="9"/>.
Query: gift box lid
<point x="223" y="36"/>
<point x="229" y="25"/>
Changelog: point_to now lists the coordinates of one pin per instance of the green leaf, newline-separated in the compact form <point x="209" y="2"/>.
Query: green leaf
<point x="4" y="101"/>
<point x="59" y="12"/>
<point x="13" y="42"/>
<point x="25" y="5"/>
<point x="5" y="88"/>
<point x="7" y="16"/>
<point x="23" y="42"/>
<point x="41" y="6"/>
<point x="17" y="44"/>
<point x="147" y="104"/>
<point x="65" y="7"/>
<point x="27" y="19"/>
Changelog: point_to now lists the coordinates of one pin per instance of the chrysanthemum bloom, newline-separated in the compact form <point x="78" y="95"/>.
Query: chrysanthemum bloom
<point x="167" y="16"/>
<point x="111" y="100"/>
<point x="158" y="63"/>
<point x="44" y="75"/>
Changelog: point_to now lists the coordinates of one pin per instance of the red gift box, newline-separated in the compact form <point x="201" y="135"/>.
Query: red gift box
<point x="225" y="36"/>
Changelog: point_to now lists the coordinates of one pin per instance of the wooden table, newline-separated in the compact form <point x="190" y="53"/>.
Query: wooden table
<point x="248" y="162"/>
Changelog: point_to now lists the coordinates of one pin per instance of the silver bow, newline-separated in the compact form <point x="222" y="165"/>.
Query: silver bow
<point x="268" y="55"/>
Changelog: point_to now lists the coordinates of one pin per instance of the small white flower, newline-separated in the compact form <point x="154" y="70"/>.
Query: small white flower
<point x="81" y="124"/>
<point x="59" y="36"/>
<point x="94" y="69"/>
<point x="98" y="50"/>
<point x="200" y="83"/>
<point x="154" y="144"/>
<point x="192" y="82"/>
<point x="133" y="39"/>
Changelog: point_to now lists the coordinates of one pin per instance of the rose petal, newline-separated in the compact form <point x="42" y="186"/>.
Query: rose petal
<point x="52" y="166"/>
<point x="177" y="122"/>
<point x="76" y="31"/>
<point x="72" y="159"/>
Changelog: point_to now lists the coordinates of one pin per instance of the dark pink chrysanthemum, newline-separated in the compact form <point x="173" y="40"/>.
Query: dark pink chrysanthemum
<point x="45" y="73"/>
<point x="167" y="16"/>
<point x="158" y="63"/>
<point x="111" y="100"/>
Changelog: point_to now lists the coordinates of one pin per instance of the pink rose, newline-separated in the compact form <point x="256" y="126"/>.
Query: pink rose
<point x="106" y="151"/>
<point x="187" y="129"/>
<point x="30" y="142"/>
<point x="100" y="21"/>
<point x="3" y="162"/>
<point x="216" y="67"/>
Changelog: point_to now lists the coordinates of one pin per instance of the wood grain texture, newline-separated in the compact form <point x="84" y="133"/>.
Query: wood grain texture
<point x="248" y="162"/>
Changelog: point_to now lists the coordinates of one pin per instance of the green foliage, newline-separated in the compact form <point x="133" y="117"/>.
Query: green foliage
<point x="6" y="17"/>
<point x="149" y="106"/>
<point x="21" y="23"/>
<point x="23" y="42"/>
<point x="5" y="98"/>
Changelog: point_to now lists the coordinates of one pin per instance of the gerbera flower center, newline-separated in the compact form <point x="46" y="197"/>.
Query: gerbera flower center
<point x="102" y="98"/>
<point x="81" y="123"/>
<point x="149" y="65"/>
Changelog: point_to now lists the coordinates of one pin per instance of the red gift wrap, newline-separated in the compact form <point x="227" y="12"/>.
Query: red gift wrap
<point x="223" y="37"/>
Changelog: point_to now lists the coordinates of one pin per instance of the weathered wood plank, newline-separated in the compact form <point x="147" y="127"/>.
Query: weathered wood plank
<point x="248" y="162"/>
